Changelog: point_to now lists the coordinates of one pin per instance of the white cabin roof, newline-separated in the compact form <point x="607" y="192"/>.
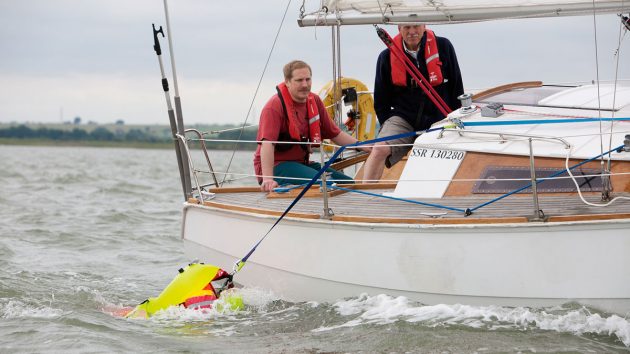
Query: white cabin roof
<point x="586" y="97"/>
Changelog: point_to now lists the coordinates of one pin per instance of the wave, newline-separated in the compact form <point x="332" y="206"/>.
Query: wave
<point x="18" y="309"/>
<point x="384" y="309"/>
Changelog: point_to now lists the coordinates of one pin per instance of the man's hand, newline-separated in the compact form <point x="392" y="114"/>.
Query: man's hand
<point x="367" y="149"/>
<point x="268" y="184"/>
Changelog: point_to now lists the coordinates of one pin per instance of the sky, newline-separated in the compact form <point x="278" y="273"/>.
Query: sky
<point x="94" y="58"/>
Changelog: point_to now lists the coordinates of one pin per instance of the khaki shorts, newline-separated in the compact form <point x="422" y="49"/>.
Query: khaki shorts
<point x="393" y="126"/>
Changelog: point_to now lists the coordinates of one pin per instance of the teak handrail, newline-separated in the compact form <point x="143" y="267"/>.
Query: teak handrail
<point x="504" y="88"/>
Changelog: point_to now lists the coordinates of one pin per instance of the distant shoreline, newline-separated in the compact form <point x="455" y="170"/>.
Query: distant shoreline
<point x="119" y="135"/>
<point x="97" y="143"/>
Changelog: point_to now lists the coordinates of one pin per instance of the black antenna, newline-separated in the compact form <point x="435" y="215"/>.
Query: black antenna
<point x="156" y="41"/>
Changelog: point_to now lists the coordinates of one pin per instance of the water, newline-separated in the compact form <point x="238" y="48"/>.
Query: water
<point x="87" y="229"/>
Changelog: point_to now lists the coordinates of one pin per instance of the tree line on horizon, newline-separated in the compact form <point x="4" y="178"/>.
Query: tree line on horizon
<point x="100" y="134"/>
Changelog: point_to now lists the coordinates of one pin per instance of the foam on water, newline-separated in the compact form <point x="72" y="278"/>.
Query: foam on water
<point x="254" y="299"/>
<point x="17" y="309"/>
<point x="384" y="309"/>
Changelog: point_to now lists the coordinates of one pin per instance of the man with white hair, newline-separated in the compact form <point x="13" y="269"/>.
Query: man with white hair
<point x="400" y="103"/>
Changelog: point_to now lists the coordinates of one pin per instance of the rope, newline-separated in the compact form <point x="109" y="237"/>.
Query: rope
<point x="465" y="211"/>
<point x="566" y="164"/>
<point x="259" y="83"/>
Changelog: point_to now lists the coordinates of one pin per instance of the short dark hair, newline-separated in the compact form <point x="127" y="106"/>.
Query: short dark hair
<point x="294" y="65"/>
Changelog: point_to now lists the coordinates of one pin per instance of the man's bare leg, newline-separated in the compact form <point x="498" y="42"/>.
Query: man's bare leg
<point x="375" y="163"/>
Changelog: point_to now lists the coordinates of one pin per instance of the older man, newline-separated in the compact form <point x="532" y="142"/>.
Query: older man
<point x="400" y="103"/>
<point x="294" y="115"/>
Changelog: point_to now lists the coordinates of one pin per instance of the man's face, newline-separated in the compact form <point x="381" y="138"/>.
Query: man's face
<point x="411" y="34"/>
<point x="300" y="84"/>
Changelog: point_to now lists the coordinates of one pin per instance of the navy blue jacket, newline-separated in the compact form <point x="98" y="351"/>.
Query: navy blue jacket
<point x="410" y="102"/>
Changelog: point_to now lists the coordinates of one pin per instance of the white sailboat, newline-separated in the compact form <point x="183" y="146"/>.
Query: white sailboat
<point x="519" y="198"/>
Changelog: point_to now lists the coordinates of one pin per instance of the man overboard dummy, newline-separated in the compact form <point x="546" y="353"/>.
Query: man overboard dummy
<point x="191" y="288"/>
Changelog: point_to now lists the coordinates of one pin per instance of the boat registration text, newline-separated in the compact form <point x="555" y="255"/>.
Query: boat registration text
<point x="437" y="154"/>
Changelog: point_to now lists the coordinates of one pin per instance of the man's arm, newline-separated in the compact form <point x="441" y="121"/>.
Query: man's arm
<point x="456" y="85"/>
<point x="382" y="88"/>
<point x="267" y="150"/>
<point x="344" y="138"/>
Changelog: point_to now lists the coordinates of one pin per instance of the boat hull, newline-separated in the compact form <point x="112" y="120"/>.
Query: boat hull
<point x="529" y="264"/>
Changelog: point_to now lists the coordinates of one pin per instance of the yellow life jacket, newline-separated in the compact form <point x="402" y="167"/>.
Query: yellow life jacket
<point x="190" y="282"/>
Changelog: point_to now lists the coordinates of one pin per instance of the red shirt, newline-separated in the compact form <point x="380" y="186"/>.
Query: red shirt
<point x="273" y="122"/>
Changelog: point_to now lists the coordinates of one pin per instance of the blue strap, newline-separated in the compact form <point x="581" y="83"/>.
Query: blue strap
<point x="287" y="187"/>
<point x="399" y="199"/>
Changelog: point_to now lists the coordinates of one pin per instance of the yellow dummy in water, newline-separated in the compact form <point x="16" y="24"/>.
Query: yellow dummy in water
<point x="192" y="287"/>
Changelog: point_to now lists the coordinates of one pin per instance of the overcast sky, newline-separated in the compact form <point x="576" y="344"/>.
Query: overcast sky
<point x="94" y="58"/>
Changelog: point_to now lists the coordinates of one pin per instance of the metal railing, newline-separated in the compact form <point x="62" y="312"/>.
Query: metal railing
<point x="538" y="214"/>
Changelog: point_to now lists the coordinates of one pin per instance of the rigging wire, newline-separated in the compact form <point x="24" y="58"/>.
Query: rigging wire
<point x="617" y="55"/>
<point x="240" y="176"/>
<point x="262" y="75"/>
<point x="230" y="130"/>
<point x="599" y="103"/>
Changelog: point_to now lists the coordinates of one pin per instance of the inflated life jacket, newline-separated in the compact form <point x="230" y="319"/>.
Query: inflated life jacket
<point x="431" y="57"/>
<point x="193" y="281"/>
<point x="203" y="299"/>
<point x="314" y="127"/>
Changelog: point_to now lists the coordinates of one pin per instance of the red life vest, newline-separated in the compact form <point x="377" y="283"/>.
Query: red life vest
<point x="314" y="128"/>
<point x="431" y="57"/>
<point x="204" y="298"/>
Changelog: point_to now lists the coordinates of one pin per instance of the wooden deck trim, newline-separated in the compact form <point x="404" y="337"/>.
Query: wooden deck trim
<point x="256" y="210"/>
<point x="429" y="221"/>
<point x="340" y="165"/>
<point x="562" y="218"/>
<point x="504" y="88"/>
<point x="368" y="186"/>
<point x="234" y="189"/>
<point x="313" y="192"/>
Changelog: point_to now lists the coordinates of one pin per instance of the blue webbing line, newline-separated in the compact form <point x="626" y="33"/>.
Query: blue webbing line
<point x="549" y="121"/>
<point x="288" y="187"/>
<point x="399" y="199"/>
<point x="543" y="180"/>
<point x="240" y="263"/>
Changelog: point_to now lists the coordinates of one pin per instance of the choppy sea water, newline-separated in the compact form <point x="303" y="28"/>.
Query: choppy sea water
<point x="87" y="230"/>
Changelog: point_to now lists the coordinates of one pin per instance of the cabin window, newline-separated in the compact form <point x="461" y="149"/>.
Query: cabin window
<point x="493" y="181"/>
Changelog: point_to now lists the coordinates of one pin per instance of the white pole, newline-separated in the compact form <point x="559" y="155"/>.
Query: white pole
<point x="169" y="35"/>
<point x="178" y="105"/>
